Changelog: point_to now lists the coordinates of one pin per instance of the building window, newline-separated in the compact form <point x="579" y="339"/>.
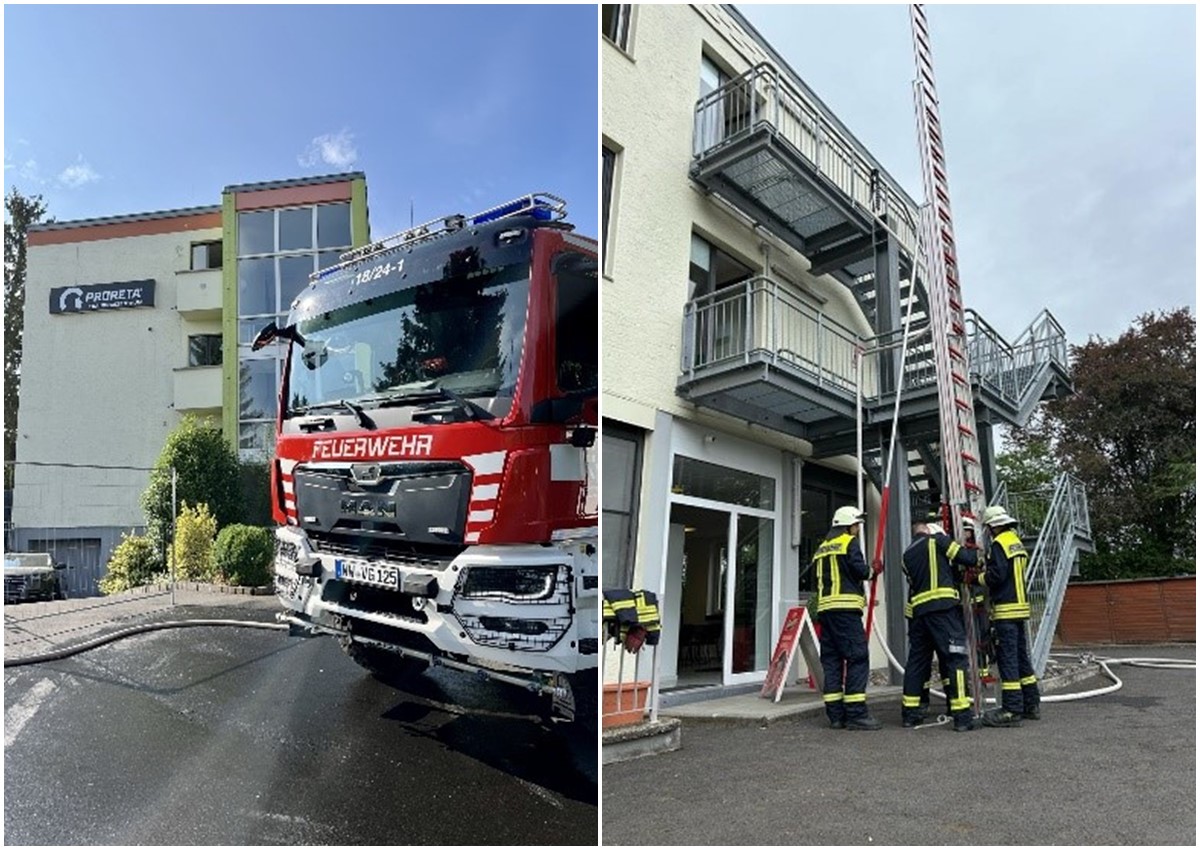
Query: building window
<point x="711" y="269"/>
<point x="204" y="350"/>
<point x="206" y="255"/>
<point x="608" y="177"/>
<point x="614" y="23"/>
<point x="619" y="493"/>
<point x="277" y="251"/>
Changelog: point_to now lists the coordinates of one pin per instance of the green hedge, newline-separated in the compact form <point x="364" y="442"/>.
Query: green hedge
<point x="243" y="555"/>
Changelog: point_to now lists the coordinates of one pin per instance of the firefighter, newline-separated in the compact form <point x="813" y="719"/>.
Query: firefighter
<point x="936" y="623"/>
<point x="1004" y="575"/>
<point x="841" y="570"/>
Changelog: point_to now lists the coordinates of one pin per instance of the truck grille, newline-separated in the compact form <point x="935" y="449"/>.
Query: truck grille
<point x="417" y="504"/>
<point x="381" y="548"/>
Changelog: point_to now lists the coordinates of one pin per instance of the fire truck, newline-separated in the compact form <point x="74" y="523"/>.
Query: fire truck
<point x="434" y="479"/>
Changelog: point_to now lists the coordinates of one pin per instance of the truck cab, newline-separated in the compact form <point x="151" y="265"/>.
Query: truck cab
<point x="435" y="472"/>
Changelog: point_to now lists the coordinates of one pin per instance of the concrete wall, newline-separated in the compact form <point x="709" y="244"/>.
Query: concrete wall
<point x="99" y="387"/>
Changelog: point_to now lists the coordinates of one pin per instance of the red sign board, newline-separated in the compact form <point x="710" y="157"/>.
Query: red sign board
<point x="785" y="651"/>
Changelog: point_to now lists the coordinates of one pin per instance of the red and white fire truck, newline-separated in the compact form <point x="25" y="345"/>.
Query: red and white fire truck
<point x="434" y="477"/>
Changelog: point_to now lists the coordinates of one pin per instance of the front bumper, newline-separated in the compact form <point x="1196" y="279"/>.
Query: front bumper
<point x="508" y="609"/>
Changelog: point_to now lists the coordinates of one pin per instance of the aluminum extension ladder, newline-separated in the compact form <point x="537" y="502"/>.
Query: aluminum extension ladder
<point x="963" y="491"/>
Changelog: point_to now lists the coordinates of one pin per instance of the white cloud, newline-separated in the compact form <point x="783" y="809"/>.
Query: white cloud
<point x="79" y="174"/>
<point x="336" y="149"/>
<point x="26" y="171"/>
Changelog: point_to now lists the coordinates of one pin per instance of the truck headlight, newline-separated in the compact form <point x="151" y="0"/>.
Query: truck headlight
<point x="513" y="584"/>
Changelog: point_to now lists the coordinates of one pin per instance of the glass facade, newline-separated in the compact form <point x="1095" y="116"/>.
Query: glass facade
<point x="277" y="249"/>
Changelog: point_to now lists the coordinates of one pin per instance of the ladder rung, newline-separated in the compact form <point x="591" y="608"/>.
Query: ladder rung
<point x="972" y="486"/>
<point x="970" y="458"/>
<point x="964" y="429"/>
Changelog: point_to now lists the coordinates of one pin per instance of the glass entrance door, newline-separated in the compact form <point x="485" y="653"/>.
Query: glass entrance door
<point x="750" y="588"/>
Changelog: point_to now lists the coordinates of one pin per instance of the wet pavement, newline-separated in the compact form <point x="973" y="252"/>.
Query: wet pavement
<point x="1113" y="769"/>
<point x="241" y="736"/>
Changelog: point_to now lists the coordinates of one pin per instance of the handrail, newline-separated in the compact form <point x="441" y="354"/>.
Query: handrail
<point x="1064" y="522"/>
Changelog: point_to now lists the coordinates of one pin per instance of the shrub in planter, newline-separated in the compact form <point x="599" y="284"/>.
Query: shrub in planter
<point x="134" y="562"/>
<point x="192" y="551"/>
<point x="243" y="555"/>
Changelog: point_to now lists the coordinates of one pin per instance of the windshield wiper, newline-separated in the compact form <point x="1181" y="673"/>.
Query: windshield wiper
<point x="472" y="410"/>
<point x="357" y="409"/>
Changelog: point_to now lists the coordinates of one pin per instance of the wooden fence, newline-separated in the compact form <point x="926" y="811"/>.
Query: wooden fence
<point x="1153" y="610"/>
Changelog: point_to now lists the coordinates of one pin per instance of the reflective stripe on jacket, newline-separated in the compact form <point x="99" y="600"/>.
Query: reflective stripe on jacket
<point x="1005" y="577"/>
<point x="841" y="569"/>
<point x="932" y="582"/>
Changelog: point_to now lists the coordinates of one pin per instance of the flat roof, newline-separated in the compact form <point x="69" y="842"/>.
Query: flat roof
<point x="343" y="177"/>
<point x="124" y="219"/>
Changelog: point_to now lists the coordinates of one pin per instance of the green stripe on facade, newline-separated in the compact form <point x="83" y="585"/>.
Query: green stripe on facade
<point x="229" y="314"/>
<point x="360" y="231"/>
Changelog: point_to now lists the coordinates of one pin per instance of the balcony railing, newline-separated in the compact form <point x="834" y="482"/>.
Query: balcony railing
<point x="764" y="98"/>
<point x="763" y="316"/>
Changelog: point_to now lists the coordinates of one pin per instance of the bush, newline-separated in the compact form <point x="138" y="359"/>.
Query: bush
<point x="208" y="472"/>
<point x="244" y="554"/>
<point x="134" y="562"/>
<point x="195" y="532"/>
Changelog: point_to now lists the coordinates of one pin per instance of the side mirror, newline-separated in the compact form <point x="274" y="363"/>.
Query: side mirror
<point x="272" y="332"/>
<point x="583" y="437"/>
<point x="267" y="334"/>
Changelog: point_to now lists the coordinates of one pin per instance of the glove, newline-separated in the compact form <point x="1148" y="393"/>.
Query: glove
<point x="876" y="568"/>
<point x="971" y="575"/>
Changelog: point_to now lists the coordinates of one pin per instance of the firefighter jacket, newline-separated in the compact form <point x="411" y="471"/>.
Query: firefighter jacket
<point x="1005" y="577"/>
<point x="627" y="609"/>
<point x="932" y="580"/>
<point x="841" y="570"/>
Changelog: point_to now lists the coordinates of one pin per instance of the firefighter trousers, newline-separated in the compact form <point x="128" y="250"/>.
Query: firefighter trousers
<point x="940" y="632"/>
<point x="846" y="663"/>
<point x="1018" y="682"/>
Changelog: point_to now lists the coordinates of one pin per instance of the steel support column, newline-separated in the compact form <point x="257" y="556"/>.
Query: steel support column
<point x="899" y="523"/>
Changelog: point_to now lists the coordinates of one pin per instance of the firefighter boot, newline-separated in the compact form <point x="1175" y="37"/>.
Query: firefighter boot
<point x="1033" y="713"/>
<point x="863" y="723"/>
<point x="999" y="717"/>
<point x="966" y="722"/>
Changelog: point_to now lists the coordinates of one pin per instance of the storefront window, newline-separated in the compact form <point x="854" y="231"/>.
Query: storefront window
<point x="722" y="484"/>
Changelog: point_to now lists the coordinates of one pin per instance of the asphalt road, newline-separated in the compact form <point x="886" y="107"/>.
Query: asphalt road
<point x="238" y="736"/>
<point x="1116" y="769"/>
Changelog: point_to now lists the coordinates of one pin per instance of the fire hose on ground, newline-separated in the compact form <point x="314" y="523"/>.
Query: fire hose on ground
<point x="1086" y="658"/>
<point x="68" y="651"/>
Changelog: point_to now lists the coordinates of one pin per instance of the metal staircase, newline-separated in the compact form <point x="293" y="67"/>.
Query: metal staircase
<point x="1060" y="514"/>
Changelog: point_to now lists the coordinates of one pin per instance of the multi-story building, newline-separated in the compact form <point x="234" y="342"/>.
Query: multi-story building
<point x="135" y="320"/>
<point x="758" y="263"/>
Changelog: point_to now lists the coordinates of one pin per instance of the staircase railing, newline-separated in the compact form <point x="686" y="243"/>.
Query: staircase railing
<point x="1061" y="513"/>
<point x="1013" y="370"/>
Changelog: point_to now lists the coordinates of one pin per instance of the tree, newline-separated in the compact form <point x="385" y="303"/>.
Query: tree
<point x="22" y="212"/>
<point x="207" y="470"/>
<point x="1129" y="433"/>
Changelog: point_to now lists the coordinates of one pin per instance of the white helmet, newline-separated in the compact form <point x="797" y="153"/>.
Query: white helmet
<point x="996" y="515"/>
<point x="847" y="516"/>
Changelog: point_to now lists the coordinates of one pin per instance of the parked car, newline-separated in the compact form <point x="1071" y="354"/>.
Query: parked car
<point x="32" y="575"/>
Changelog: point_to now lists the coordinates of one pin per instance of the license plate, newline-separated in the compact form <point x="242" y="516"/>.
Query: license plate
<point x="364" y="573"/>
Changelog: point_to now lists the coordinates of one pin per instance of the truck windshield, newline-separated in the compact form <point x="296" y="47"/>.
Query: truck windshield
<point x="462" y="336"/>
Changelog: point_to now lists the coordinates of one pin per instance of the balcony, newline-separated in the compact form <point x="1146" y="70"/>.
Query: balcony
<point x="200" y="294"/>
<point x="198" y="388"/>
<point x="758" y="351"/>
<point x="775" y="152"/>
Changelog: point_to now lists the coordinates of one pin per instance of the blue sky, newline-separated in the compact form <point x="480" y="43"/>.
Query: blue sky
<point x="1070" y="136"/>
<point x="113" y="110"/>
